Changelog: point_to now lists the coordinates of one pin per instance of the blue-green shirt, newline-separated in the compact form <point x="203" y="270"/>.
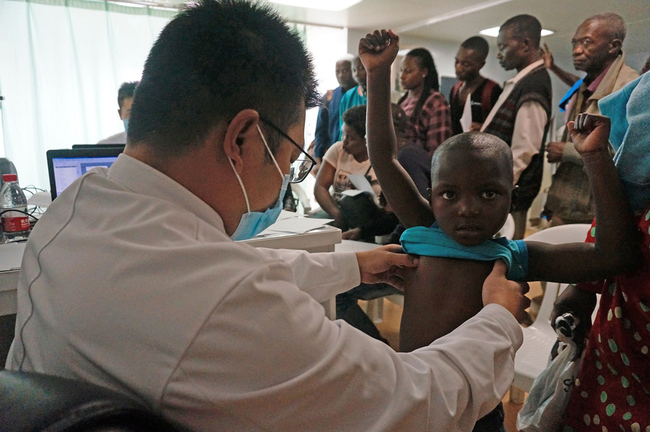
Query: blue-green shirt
<point x="435" y="243"/>
<point x="351" y="98"/>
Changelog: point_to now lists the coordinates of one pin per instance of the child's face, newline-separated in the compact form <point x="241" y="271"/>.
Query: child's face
<point x="470" y="196"/>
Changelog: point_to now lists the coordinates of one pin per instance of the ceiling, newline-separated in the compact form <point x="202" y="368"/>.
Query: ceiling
<point x="456" y="20"/>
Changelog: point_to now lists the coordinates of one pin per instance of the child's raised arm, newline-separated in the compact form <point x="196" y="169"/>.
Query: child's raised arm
<point x="377" y="52"/>
<point x="616" y="249"/>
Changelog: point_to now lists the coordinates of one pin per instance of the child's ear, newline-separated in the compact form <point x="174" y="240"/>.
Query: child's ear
<point x="514" y="198"/>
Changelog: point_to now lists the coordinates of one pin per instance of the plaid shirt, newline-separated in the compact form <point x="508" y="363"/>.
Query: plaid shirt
<point x="433" y="125"/>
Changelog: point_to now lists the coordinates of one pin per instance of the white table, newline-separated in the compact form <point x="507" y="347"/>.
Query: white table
<point x="319" y="240"/>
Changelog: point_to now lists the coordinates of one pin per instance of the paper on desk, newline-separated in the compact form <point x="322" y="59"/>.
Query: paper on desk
<point x="466" y="119"/>
<point x="292" y="223"/>
<point x="11" y="255"/>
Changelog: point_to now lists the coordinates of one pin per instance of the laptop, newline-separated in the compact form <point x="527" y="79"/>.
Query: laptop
<point x="66" y="165"/>
<point x="91" y="146"/>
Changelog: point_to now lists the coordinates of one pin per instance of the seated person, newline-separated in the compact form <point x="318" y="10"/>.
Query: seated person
<point x="471" y="195"/>
<point x="124" y="102"/>
<point x="346" y="157"/>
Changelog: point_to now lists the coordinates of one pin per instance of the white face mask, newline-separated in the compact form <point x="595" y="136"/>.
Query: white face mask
<point x="253" y="223"/>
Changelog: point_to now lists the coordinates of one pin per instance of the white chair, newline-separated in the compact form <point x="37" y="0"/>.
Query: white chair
<point x="532" y="357"/>
<point x="508" y="228"/>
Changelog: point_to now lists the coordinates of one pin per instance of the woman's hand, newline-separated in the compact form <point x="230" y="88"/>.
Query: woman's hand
<point x="547" y="56"/>
<point x="581" y="304"/>
<point x="378" y="49"/>
<point x="353" y="234"/>
<point x="590" y="133"/>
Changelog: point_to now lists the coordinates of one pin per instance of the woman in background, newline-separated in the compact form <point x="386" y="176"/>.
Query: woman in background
<point x="429" y="118"/>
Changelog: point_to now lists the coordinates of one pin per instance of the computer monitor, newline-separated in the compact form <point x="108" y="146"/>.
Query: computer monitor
<point x="66" y="165"/>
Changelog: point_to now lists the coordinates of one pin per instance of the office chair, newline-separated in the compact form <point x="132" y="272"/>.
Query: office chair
<point x="35" y="402"/>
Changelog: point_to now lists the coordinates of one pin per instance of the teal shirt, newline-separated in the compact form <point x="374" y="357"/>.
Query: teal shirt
<point x="351" y="98"/>
<point x="435" y="243"/>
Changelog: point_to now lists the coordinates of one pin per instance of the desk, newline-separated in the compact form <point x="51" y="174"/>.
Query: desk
<point x="319" y="240"/>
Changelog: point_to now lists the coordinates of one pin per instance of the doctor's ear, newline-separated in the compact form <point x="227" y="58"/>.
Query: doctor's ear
<point x="514" y="198"/>
<point x="241" y="129"/>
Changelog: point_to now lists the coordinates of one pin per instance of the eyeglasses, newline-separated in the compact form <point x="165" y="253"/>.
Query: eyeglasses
<point x="301" y="167"/>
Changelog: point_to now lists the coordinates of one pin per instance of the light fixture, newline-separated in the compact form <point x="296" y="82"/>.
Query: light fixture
<point x="494" y="32"/>
<point x="328" y="5"/>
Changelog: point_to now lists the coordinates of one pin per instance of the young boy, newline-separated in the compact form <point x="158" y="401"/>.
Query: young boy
<point x="471" y="195"/>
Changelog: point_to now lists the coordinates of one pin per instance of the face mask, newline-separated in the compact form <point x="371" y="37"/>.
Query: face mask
<point x="126" y="125"/>
<point x="253" y="223"/>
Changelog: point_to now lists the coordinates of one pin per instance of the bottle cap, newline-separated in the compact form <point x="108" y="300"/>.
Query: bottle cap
<point x="9" y="177"/>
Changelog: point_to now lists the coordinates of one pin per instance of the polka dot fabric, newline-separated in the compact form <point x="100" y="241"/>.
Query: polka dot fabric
<point x="612" y="391"/>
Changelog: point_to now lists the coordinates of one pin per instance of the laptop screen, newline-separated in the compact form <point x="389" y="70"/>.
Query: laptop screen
<point x="65" y="166"/>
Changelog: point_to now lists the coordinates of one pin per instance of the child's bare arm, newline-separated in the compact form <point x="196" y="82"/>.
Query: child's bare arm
<point x="616" y="249"/>
<point x="377" y="52"/>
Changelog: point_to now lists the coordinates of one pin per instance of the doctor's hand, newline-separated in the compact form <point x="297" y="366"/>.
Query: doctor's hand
<point x="385" y="264"/>
<point x="509" y="294"/>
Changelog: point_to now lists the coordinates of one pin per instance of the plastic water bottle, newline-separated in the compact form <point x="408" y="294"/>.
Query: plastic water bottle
<point x="14" y="224"/>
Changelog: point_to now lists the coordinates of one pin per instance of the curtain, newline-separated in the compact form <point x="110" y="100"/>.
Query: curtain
<point x="61" y="64"/>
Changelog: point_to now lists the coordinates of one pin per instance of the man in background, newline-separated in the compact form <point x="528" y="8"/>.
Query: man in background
<point x="356" y="95"/>
<point x="481" y="93"/>
<point x="327" y="125"/>
<point x="124" y="102"/>
<point x="597" y="50"/>
<point x="521" y="114"/>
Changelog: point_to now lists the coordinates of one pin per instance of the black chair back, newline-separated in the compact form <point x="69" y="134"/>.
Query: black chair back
<point x="34" y="402"/>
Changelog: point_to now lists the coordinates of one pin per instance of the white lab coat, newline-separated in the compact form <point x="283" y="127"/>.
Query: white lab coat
<point x="135" y="286"/>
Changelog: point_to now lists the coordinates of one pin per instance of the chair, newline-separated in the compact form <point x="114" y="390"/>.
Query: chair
<point x="35" y="402"/>
<point x="539" y="337"/>
<point x="508" y="228"/>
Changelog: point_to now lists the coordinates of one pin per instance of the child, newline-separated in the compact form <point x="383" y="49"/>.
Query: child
<point x="471" y="195"/>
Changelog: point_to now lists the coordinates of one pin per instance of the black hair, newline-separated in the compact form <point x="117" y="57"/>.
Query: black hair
<point x="355" y="117"/>
<point x="126" y="91"/>
<point x="431" y="84"/>
<point x="478" y="142"/>
<point x="478" y="44"/>
<point x="213" y="60"/>
<point x="524" y="26"/>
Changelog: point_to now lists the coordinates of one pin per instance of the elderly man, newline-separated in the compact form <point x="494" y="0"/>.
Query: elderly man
<point x="521" y="114"/>
<point x="597" y="50"/>
<point x="356" y="95"/>
<point x="327" y="126"/>
<point x="132" y="280"/>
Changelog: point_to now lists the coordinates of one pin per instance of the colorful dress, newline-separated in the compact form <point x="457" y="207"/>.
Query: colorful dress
<point x="612" y="392"/>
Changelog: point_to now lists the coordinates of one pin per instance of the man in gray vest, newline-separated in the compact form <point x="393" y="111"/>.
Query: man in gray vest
<point x="521" y="114"/>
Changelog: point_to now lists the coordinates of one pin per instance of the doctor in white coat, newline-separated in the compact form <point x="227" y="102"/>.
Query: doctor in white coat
<point x="132" y="278"/>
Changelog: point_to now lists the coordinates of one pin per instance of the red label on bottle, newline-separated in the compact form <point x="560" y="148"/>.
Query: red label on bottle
<point x="14" y="223"/>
